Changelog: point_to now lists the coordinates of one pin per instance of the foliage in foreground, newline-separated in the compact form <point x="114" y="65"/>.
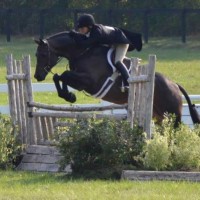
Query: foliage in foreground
<point x="173" y="149"/>
<point x="91" y="145"/>
<point x="9" y="146"/>
<point x="108" y="146"/>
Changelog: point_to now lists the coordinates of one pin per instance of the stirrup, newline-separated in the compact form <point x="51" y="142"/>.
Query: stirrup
<point x="124" y="88"/>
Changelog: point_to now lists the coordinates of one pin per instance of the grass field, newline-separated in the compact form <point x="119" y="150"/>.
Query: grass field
<point x="180" y="62"/>
<point x="43" y="186"/>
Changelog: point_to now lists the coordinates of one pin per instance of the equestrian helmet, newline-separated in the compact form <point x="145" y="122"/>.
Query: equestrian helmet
<point x="85" y="20"/>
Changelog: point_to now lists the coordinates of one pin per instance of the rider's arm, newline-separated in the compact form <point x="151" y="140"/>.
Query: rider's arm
<point x="88" y="42"/>
<point x="84" y="41"/>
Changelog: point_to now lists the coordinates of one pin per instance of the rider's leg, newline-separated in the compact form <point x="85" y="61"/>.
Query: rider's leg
<point x="121" y="50"/>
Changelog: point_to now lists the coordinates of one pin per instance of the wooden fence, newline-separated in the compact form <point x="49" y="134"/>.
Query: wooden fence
<point x="50" y="87"/>
<point x="37" y="122"/>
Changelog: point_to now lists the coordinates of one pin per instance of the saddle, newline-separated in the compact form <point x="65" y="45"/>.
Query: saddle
<point x="110" y="80"/>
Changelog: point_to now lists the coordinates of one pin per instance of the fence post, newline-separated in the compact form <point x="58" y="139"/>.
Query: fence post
<point x="131" y="96"/>
<point x="29" y="98"/>
<point x="150" y="95"/>
<point x="11" y="89"/>
<point x="141" y="91"/>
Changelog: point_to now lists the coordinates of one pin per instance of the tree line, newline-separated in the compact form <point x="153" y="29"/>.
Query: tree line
<point x="163" y="18"/>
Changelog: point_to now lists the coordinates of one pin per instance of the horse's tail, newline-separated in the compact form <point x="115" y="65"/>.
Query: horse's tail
<point x="193" y="111"/>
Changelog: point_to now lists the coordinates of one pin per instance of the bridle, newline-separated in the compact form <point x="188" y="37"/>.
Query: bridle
<point x="48" y="67"/>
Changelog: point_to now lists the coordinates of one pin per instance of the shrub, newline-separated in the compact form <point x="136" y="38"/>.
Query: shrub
<point x="157" y="153"/>
<point x="173" y="149"/>
<point x="92" y="145"/>
<point x="186" y="149"/>
<point x="9" y="147"/>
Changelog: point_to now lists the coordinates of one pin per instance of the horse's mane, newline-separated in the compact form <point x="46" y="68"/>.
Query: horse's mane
<point x="63" y="39"/>
<point x="63" y="34"/>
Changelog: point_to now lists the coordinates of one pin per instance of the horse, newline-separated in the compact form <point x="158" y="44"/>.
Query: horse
<point x="90" y="71"/>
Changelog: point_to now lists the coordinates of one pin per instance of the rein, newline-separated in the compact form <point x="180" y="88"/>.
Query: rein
<point x="72" y="60"/>
<point x="48" y="68"/>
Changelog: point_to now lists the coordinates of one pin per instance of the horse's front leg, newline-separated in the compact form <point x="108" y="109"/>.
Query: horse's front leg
<point x="63" y="92"/>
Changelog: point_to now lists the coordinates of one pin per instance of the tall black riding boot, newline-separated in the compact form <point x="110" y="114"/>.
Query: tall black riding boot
<point x="124" y="72"/>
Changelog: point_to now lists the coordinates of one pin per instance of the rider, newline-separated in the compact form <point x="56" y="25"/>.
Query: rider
<point x="122" y="40"/>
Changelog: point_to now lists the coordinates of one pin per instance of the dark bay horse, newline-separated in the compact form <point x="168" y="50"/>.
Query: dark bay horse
<point x="89" y="69"/>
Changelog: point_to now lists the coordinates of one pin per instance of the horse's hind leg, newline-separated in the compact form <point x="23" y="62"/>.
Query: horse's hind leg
<point x="63" y="92"/>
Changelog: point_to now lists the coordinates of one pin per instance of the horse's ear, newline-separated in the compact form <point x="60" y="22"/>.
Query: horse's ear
<point x="39" y="41"/>
<point x="36" y="41"/>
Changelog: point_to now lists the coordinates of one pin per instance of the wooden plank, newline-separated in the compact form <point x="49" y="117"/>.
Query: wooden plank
<point x="37" y="158"/>
<point x="144" y="92"/>
<point x="43" y="167"/>
<point x="16" y="76"/>
<point x="137" y="96"/>
<point x="149" y="95"/>
<point x="38" y="129"/>
<point x="76" y="108"/>
<point x="50" y="127"/>
<point x="39" y="149"/>
<point x="26" y="66"/>
<point x="16" y="70"/>
<point x="139" y="79"/>
<point x="22" y="106"/>
<point x="160" y="175"/>
<point x="79" y="115"/>
<point x="11" y="89"/>
<point x="131" y="95"/>
<point x="40" y="167"/>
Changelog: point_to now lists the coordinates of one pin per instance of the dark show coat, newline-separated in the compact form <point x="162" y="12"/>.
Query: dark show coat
<point x="101" y="34"/>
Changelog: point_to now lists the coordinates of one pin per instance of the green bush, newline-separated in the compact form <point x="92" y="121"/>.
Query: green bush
<point x="93" y="145"/>
<point x="9" y="147"/>
<point x="186" y="149"/>
<point x="157" y="153"/>
<point x="173" y="149"/>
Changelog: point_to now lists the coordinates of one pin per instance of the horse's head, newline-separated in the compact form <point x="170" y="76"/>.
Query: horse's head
<point x="46" y="59"/>
<point x="50" y="51"/>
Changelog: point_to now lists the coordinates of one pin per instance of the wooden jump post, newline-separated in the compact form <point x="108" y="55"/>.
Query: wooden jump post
<point x="141" y="91"/>
<point x="37" y="126"/>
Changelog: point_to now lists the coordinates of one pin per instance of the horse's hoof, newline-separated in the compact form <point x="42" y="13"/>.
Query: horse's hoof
<point x="56" y="77"/>
<point x="72" y="97"/>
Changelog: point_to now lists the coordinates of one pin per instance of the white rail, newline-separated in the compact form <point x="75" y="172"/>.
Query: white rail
<point x="49" y="87"/>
